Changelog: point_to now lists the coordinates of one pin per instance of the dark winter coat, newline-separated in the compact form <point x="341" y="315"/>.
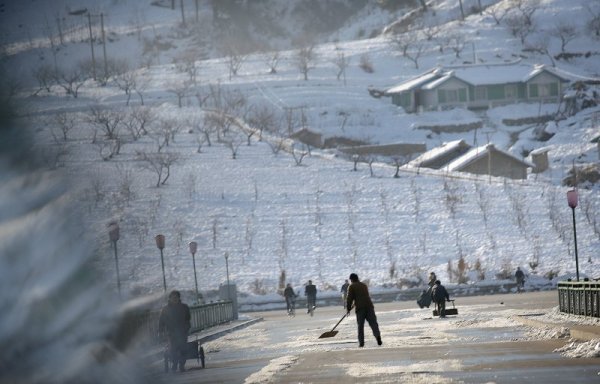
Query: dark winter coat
<point x="439" y="293"/>
<point x="288" y="292"/>
<point x="310" y="290"/>
<point x="358" y="293"/>
<point x="175" y="320"/>
<point x="520" y="276"/>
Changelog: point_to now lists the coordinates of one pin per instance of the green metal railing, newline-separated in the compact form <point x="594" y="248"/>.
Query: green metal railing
<point x="143" y="322"/>
<point x="579" y="298"/>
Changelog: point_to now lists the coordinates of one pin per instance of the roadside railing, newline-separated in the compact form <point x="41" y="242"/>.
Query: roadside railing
<point x="579" y="298"/>
<point x="143" y="322"/>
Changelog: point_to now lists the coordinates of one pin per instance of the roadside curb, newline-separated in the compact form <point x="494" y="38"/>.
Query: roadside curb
<point x="578" y="332"/>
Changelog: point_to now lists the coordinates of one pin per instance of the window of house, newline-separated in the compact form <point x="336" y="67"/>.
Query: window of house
<point x="452" y="95"/>
<point x="481" y="93"/>
<point x="543" y="90"/>
<point x="510" y="91"/>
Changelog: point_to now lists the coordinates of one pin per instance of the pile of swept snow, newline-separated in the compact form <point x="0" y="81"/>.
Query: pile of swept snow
<point x="576" y="349"/>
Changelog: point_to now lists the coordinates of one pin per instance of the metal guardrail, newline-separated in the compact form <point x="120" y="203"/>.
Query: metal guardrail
<point x="208" y="315"/>
<point x="144" y="322"/>
<point x="579" y="298"/>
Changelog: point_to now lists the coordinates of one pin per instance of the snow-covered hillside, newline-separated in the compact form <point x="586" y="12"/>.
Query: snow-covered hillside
<point x="312" y="217"/>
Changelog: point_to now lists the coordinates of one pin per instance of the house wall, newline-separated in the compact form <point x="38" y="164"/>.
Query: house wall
<point x="498" y="165"/>
<point x="546" y="80"/>
<point x="432" y="99"/>
<point x="545" y="87"/>
<point x="405" y="100"/>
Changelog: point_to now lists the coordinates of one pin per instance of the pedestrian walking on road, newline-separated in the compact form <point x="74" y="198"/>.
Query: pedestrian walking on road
<point x="358" y="295"/>
<point x="174" y="322"/>
<point x="310" y="291"/>
<point x="520" y="276"/>
<point x="344" y="291"/>
<point x="432" y="279"/>
<point x="290" y="299"/>
<point x="440" y="295"/>
<point x="424" y="299"/>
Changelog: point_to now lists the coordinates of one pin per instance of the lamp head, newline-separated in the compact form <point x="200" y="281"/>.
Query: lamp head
<point x="160" y="241"/>
<point x="193" y="247"/>
<point x="572" y="198"/>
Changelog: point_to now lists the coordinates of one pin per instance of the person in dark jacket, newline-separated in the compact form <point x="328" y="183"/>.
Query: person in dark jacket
<point x="344" y="291"/>
<point x="439" y="295"/>
<point x="310" y="291"/>
<point x="174" y="321"/>
<point x="520" y="276"/>
<point x="290" y="299"/>
<point x="358" y="295"/>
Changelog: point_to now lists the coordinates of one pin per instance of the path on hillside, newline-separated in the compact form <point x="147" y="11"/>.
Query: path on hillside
<point x="484" y="343"/>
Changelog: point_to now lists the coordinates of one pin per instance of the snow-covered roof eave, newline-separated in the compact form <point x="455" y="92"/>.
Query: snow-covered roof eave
<point x="414" y="82"/>
<point x="479" y="152"/>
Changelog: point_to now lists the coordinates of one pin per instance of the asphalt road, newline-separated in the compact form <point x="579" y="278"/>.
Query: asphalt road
<point x="483" y="344"/>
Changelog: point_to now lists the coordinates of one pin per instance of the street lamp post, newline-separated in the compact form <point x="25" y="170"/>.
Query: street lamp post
<point x="572" y="201"/>
<point x="160" y="243"/>
<point x="193" y="247"/>
<point x="227" y="271"/>
<point x="113" y="234"/>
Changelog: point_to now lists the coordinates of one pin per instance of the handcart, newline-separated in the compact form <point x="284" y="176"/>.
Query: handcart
<point x="447" y="311"/>
<point x="193" y="350"/>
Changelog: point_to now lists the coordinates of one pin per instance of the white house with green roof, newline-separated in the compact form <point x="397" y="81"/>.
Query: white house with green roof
<point x="479" y="87"/>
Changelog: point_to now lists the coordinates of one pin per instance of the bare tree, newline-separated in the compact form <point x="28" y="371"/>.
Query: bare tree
<point x="498" y="12"/>
<point x="520" y="22"/>
<point x="300" y="153"/>
<point x="366" y="64"/>
<point x="141" y="117"/>
<point x="159" y="163"/>
<point x="410" y="45"/>
<point x="457" y="43"/>
<point x="126" y="181"/>
<point x="66" y="122"/>
<point x="304" y="60"/>
<point x="70" y="81"/>
<point x="46" y="78"/>
<point x="181" y="90"/>
<point x="206" y="129"/>
<point x="186" y="63"/>
<point x="593" y="23"/>
<point x="541" y="46"/>
<point x="164" y="132"/>
<point x="233" y="140"/>
<point x="272" y="59"/>
<point x="108" y="148"/>
<point x="431" y="29"/>
<point x="518" y="26"/>
<point x="263" y="119"/>
<point x="235" y="57"/>
<point x="108" y="120"/>
<point x="565" y="32"/>
<point x="341" y="62"/>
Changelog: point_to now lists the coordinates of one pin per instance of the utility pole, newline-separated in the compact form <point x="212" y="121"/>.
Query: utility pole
<point x="104" y="46"/>
<point x="92" y="47"/>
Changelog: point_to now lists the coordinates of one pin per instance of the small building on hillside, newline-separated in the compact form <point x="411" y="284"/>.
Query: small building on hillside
<point x="479" y="87"/>
<point x="489" y="160"/>
<point x="438" y="157"/>
<point x="308" y="137"/>
<point x="539" y="158"/>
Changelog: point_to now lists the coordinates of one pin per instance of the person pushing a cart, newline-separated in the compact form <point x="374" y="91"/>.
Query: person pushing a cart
<point x="174" y="321"/>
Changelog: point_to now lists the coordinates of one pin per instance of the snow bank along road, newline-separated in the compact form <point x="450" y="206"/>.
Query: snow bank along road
<point x="487" y="342"/>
